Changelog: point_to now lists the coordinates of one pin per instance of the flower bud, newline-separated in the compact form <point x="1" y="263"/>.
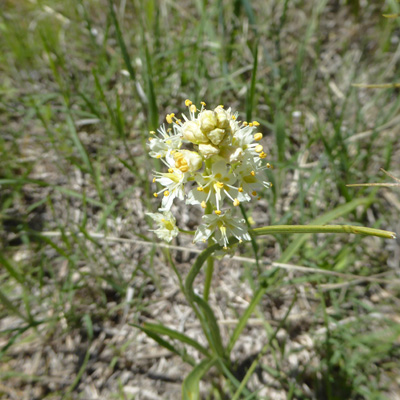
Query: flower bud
<point x="193" y="159"/>
<point x="222" y="118"/>
<point x="216" y="136"/>
<point x="191" y="131"/>
<point x="208" y="121"/>
<point x="208" y="150"/>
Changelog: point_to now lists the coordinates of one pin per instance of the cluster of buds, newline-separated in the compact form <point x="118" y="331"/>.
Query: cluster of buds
<point x="213" y="161"/>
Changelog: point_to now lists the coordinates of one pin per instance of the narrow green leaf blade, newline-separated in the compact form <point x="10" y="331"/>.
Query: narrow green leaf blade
<point x="190" y="387"/>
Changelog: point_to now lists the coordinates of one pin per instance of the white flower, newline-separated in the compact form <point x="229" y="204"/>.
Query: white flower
<point x="168" y="140"/>
<point x="221" y="227"/>
<point x="173" y="181"/>
<point x="214" y="187"/>
<point x="167" y="228"/>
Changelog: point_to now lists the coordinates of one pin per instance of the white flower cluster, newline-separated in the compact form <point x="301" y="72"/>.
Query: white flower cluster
<point x="212" y="159"/>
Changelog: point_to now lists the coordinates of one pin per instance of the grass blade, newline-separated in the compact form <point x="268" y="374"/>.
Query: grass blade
<point x="190" y="387"/>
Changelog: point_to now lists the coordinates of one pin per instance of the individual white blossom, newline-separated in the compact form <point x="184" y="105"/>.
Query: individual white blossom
<point x="222" y="227"/>
<point x="213" y="161"/>
<point x="166" y="222"/>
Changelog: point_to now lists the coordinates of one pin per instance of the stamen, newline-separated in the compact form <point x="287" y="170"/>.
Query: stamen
<point x="258" y="148"/>
<point x="203" y="104"/>
<point x="170" y="170"/>
<point x="254" y="193"/>
<point x="218" y="212"/>
<point x="152" y="133"/>
<point x="200" y="188"/>
<point x="193" y="108"/>
<point x="188" y="103"/>
<point x="154" y="180"/>
<point x="250" y="124"/>
<point x="236" y="202"/>
<point x="240" y="190"/>
<point x="269" y="166"/>
<point x="255" y="123"/>
<point x="203" y="204"/>
<point x="263" y="155"/>
<point x="155" y="194"/>
<point x="158" y="156"/>
<point x="245" y="123"/>
<point x="169" y="118"/>
<point x="258" y="136"/>
<point x="219" y="185"/>
<point x="166" y="193"/>
<point x="252" y="173"/>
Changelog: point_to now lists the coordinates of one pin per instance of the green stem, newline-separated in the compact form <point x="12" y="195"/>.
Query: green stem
<point x="210" y="261"/>
<point x="360" y="230"/>
<point x="209" y="274"/>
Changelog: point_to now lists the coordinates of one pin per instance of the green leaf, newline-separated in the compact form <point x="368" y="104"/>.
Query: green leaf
<point x="173" y="334"/>
<point x="190" y="387"/>
<point x="292" y="249"/>
<point x="162" y="342"/>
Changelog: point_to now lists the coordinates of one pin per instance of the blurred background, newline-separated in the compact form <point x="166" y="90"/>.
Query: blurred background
<point x="81" y="84"/>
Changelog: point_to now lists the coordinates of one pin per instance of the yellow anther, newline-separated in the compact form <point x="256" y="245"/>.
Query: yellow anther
<point x="218" y="212"/>
<point x="262" y="155"/>
<point x="252" y="173"/>
<point x="236" y="202"/>
<point x="178" y="156"/>
<point x="183" y="161"/>
<point x="269" y="165"/>
<point x="155" y="194"/>
<point x="233" y="117"/>
<point x="152" y="132"/>
<point x="169" y="118"/>
<point x="250" y="124"/>
<point x="162" y="219"/>
<point x="169" y="130"/>
<point x="166" y="193"/>
<point x="221" y="105"/>
<point x="154" y="179"/>
<point x="225" y="248"/>
<point x="188" y="103"/>
<point x="158" y="156"/>
<point x="203" y="204"/>
<point x="258" y="148"/>
<point x="254" y="193"/>
<point x="219" y="185"/>
<point x="245" y="123"/>
<point x="170" y="170"/>
<point x="192" y="108"/>
<point x="255" y="123"/>
<point x="271" y="184"/>
<point x="203" y="104"/>
<point x="258" y="136"/>
<point x="150" y="139"/>
<point x="184" y="168"/>
<point x="200" y="189"/>
<point x="240" y="190"/>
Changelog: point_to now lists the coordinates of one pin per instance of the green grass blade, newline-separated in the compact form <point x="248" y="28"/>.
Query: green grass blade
<point x="121" y="42"/>
<point x="162" y="342"/>
<point x="173" y="334"/>
<point x="251" y="91"/>
<point x="11" y="270"/>
<point x="190" y="387"/>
